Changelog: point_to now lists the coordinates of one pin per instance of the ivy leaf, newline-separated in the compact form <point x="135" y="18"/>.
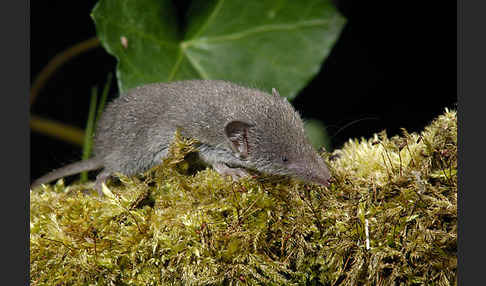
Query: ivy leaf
<point x="264" y="44"/>
<point x="316" y="131"/>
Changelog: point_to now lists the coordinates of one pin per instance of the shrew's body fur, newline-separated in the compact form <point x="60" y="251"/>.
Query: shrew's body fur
<point x="238" y="128"/>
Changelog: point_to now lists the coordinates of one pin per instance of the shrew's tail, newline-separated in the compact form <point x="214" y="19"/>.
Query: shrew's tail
<point x="71" y="169"/>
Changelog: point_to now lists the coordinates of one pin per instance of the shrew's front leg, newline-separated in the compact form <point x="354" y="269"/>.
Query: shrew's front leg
<point x="235" y="173"/>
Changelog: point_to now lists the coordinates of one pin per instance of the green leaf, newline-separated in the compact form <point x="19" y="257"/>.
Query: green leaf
<point x="316" y="131"/>
<point x="88" y="134"/>
<point x="92" y="119"/>
<point x="272" y="43"/>
<point x="104" y="96"/>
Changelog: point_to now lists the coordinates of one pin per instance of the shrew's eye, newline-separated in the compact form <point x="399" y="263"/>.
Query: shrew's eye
<point x="285" y="159"/>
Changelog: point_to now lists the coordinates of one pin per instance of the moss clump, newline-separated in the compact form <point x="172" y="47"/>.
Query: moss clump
<point x="389" y="218"/>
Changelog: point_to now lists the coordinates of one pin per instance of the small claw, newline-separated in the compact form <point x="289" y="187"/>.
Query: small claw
<point x="234" y="173"/>
<point x="100" y="179"/>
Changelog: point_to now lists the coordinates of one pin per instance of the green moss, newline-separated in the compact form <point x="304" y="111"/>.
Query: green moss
<point x="172" y="226"/>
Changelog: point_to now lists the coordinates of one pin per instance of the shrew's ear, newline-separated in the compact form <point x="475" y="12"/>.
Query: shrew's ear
<point x="275" y="92"/>
<point x="237" y="134"/>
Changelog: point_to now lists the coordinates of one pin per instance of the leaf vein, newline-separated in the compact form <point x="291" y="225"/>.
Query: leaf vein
<point x="197" y="66"/>
<point x="141" y="34"/>
<point x="261" y="29"/>
<point x="210" y="18"/>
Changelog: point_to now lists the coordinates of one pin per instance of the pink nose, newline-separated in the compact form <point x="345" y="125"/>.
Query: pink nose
<point x="323" y="181"/>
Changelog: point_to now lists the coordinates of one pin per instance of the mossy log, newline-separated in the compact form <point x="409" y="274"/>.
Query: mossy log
<point x="388" y="218"/>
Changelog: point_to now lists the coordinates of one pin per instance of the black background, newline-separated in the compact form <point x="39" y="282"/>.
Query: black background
<point x="393" y="66"/>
